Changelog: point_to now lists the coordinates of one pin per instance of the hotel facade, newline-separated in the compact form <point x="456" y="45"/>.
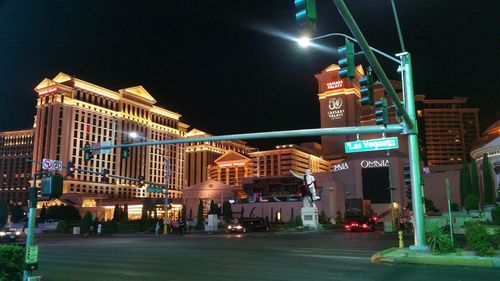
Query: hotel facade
<point x="16" y="148"/>
<point x="71" y="112"/>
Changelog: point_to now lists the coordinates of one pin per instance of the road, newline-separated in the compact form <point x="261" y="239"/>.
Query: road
<point x="324" y="255"/>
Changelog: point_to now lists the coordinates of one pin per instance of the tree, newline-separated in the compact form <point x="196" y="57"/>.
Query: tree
<point x="85" y="223"/>
<point x="16" y="212"/>
<point x="227" y="211"/>
<point x="63" y="212"/>
<point x="465" y="182"/>
<point x="487" y="181"/>
<point x="200" y="214"/>
<point x="124" y="216"/>
<point x="213" y="208"/>
<point x="474" y="179"/>
<point x="117" y="213"/>
<point x="3" y="213"/>
<point x="43" y="214"/>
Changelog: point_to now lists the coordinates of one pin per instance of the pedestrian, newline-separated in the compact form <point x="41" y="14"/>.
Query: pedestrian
<point x="401" y="223"/>
<point x="174" y="226"/>
<point x="157" y="228"/>
<point x="99" y="229"/>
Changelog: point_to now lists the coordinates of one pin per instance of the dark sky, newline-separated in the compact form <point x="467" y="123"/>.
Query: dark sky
<point x="218" y="64"/>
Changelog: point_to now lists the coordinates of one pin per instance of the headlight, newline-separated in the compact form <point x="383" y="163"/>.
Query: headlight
<point x="2" y="233"/>
<point x="239" y="227"/>
<point x="18" y="232"/>
<point x="229" y="227"/>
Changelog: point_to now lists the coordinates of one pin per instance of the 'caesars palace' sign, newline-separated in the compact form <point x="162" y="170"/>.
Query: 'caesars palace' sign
<point x="335" y="108"/>
<point x="335" y="85"/>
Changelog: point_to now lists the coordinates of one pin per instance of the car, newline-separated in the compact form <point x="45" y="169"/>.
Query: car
<point x="9" y="235"/>
<point x="249" y="224"/>
<point x="360" y="224"/>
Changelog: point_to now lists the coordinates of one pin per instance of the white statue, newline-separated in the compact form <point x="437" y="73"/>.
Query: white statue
<point x="310" y="183"/>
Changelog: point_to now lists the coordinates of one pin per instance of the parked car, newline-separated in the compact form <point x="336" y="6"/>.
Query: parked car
<point x="360" y="224"/>
<point x="249" y="224"/>
<point x="9" y="235"/>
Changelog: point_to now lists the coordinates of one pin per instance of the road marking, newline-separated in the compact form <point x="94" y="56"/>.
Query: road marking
<point x="331" y="257"/>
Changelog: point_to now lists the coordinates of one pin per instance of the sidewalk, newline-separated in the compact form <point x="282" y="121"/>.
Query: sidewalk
<point x="404" y="255"/>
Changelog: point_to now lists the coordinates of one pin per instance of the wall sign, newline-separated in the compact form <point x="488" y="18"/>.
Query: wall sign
<point x="335" y="108"/>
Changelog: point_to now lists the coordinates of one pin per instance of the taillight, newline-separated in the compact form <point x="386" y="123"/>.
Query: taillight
<point x="365" y="225"/>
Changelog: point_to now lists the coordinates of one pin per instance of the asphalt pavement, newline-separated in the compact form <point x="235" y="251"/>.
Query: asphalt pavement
<point x="322" y="255"/>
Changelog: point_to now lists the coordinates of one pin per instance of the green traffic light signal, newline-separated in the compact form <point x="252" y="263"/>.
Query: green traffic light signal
<point x="87" y="152"/>
<point x="125" y="151"/>
<point x="381" y="112"/>
<point x="306" y="12"/>
<point x="366" y="88"/>
<point x="346" y="60"/>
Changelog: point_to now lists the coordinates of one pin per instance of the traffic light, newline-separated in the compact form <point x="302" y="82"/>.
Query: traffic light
<point x="125" y="151"/>
<point x="306" y="12"/>
<point x="141" y="181"/>
<point x="366" y="88"/>
<point x="70" y="170"/>
<point x="105" y="175"/>
<point x="87" y="152"/>
<point x="408" y="192"/>
<point x="346" y="60"/>
<point x="381" y="112"/>
<point x="52" y="186"/>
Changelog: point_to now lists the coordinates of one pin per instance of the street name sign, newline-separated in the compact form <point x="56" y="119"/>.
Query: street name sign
<point x="371" y="145"/>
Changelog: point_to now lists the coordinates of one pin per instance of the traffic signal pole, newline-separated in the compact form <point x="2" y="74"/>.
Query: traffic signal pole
<point x="407" y="114"/>
<point x="414" y="158"/>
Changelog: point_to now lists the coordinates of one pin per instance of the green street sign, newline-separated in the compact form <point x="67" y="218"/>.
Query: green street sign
<point x="154" y="189"/>
<point x="371" y="145"/>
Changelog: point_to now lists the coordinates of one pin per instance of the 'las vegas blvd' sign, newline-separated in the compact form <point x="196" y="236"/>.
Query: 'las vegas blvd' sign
<point x="371" y="145"/>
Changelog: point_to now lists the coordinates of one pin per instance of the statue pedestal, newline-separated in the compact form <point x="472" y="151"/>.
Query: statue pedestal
<point x="309" y="216"/>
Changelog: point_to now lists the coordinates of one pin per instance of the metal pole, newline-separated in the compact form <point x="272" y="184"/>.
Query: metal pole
<point x="167" y="173"/>
<point x="390" y="190"/>
<point x="449" y="209"/>
<point x="353" y="130"/>
<point x="396" y="19"/>
<point x="414" y="158"/>
<point x="31" y="224"/>
<point x="373" y="61"/>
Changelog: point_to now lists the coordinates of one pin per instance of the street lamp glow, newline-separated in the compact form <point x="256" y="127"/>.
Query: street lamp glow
<point x="304" y="42"/>
<point x="133" y="135"/>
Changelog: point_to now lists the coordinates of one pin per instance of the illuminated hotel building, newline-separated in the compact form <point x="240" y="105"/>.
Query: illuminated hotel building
<point x="279" y="161"/>
<point x="447" y="129"/>
<point x="200" y="155"/>
<point x="72" y="112"/>
<point x="15" y="172"/>
<point x="231" y="168"/>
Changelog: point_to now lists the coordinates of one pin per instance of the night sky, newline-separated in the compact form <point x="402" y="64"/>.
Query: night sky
<point x="223" y="65"/>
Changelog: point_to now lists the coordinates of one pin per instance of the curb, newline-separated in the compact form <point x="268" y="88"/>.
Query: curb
<point x="404" y="256"/>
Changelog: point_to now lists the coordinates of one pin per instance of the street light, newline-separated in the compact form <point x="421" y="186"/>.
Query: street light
<point x="306" y="42"/>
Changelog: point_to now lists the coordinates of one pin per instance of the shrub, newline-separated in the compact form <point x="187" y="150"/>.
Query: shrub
<point x="495" y="215"/>
<point x="438" y="241"/>
<point x="109" y="226"/>
<point x="128" y="227"/>
<point x="62" y="227"/>
<point x="86" y="223"/>
<point x="322" y="218"/>
<point x="471" y="202"/>
<point x="339" y="218"/>
<point x="11" y="262"/>
<point x="454" y="207"/>
<point x="478" y="239"/>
